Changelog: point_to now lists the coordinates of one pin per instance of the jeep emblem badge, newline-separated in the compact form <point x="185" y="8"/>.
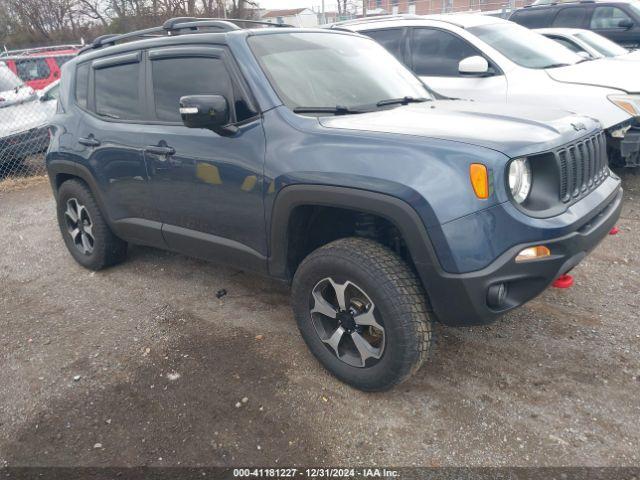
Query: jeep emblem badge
<point x="578" y="126"/>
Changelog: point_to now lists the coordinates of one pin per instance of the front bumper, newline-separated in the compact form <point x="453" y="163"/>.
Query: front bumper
<point x="461" y="299"/>
<point x="626" y="150"/>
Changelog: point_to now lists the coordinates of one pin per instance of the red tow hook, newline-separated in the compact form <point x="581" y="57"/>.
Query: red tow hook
<point x="563" y="281"/>
<point x="614" y="231"/>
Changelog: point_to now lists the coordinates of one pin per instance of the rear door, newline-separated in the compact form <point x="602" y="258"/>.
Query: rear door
<point x="434" y="55"/>
<point x="207" y="186"/>
<point x="111" y="144"/>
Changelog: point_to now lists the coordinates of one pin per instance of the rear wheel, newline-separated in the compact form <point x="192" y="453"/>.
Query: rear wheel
<point x="84" y="230"/>
<point x="362" y="312"/>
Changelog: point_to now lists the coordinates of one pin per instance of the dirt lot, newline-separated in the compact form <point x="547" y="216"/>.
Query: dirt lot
<point x="143" y="365"/>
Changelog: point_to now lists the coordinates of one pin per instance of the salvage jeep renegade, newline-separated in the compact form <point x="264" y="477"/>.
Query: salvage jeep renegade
<point x="315" y="157"/>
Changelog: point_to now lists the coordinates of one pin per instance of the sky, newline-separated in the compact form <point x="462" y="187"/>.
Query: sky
<point x="277" y="4"/>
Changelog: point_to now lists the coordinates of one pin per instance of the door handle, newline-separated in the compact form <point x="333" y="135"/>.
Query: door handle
<point x="160" y="150"/>
<point x="89" y="141"/>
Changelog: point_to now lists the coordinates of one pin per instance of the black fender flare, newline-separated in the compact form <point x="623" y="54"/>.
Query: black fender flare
<point x="58" y="166"/>
<point x="396" y="211"/>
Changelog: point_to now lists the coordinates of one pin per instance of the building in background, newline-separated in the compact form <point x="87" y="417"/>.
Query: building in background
<point x="429" y="7"/>
<point x="298" y="17"/>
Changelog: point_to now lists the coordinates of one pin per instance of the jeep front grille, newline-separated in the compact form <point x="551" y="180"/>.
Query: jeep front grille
<point x="583" y="166"/>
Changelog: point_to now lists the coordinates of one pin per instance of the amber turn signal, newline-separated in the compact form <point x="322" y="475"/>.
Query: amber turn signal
<point x="479" y="180"/>
<point x="533" y="253"/>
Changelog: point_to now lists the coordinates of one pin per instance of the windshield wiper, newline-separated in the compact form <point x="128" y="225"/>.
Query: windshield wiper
<point x="109" y="115"/>
<point x="557" y="65"/>
<point x="401" y="101"/>
<point x="337" y="110"/>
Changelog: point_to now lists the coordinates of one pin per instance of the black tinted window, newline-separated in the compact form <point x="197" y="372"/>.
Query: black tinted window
<point x="573" y="17"/>
<point x="391" y="39"/>
<point x="438" y="53"/>
<point x="207" y="76"/>
<point x="116" y="91"/>
<point x="533" y="17"/>
<point x="82" y="84"/>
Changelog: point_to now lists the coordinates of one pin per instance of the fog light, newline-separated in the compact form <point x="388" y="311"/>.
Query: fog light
<point x="533" y="253"/>
<point x="496" y="295"/>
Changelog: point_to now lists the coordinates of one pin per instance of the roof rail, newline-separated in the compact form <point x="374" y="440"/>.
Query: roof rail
<point x="178" y="26"/>
<point x="29" y="51"/>
<point x="376" y="18"/>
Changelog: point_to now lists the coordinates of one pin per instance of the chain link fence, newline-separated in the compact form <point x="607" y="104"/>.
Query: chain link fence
<point x="28" y="101"/>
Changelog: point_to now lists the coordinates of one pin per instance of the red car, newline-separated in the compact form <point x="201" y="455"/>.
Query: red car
<point x="39" y="67"/>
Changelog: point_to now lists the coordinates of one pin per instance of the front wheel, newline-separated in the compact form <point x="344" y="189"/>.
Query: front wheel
<point x="362" y="312"/>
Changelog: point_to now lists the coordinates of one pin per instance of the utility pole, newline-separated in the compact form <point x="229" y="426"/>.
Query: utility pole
<point x="324" y="16"/>
<point x="364" y="8"/>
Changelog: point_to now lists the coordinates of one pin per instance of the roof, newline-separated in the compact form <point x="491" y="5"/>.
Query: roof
<point x="291" y="12"/>
<point x="562" y="3"/>
<point x="462" y="20"/>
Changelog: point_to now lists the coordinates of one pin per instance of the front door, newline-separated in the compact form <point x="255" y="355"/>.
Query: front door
<point x="434" y="56"/>
<point x="616" y="24"/>
<point x="207" y="186"/>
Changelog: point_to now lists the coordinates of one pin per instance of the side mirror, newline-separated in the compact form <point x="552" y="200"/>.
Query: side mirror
<point x="626" y="24"/>
<point x="475" y="65"/>
<point x="206" y="111"/>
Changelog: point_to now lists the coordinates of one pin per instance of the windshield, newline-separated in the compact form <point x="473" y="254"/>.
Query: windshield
<point x="601" y="44"/>
<point x="524" y="47"/>
<point x="8" y="80"/>
<point x="329" y="70"/>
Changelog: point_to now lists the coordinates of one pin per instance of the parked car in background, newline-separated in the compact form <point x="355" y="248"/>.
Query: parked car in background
<point x="41" y="66"/>
<point x="489" y="59"/>
<point x="315" y="157"/>
<point x="13" y="90"/>
<point x="619" y="20"/>
<point x="589" y="44"/>
<point x="23" y="127"/>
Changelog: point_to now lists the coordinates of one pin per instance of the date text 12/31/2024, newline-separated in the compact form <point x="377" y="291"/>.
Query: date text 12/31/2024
<point x="314" y="473"/>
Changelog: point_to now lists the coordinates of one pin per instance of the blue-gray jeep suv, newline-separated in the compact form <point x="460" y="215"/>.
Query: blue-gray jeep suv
<point x="315" y="157"/>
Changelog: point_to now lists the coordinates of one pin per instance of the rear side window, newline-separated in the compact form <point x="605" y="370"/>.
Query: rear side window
<point x="117" y="93"/>
<point x="33" y="69"/>
<point x="82" y="85"/>
<point x="607" y="17"/>
<point x="573" y="17"/>
<point x="391" y="39"/>
<point x="533" y="17"/>
<point x="207" y="76"/>
<point x="437" y="53"/>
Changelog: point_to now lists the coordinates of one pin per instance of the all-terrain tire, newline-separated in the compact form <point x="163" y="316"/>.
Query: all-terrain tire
<point x="107" y="249"/>
<point x="400" y="303"/>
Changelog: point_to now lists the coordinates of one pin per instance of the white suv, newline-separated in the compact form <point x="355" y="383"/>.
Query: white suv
<point x="489" y="59"/>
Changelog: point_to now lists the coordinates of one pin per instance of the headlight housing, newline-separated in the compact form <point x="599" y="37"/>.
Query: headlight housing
<point x="628" y="103"/>
<point x="520" y="179"/>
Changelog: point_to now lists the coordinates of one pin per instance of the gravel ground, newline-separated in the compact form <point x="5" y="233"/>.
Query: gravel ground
<point x="142" y="365"/>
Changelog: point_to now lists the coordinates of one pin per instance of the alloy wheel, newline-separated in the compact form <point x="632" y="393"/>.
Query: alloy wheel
<point x="344" y="319"/>
<point x="79" y="226"/>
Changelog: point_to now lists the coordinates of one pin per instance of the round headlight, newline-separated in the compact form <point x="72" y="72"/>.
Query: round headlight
<point x="520" y="179"/>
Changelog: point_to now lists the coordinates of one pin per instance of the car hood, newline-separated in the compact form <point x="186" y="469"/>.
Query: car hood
<point x="512" y="130"/>
<point x="630" y="57"/>
<point x="25" y="116"/>
<point x="600" y="73"/>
